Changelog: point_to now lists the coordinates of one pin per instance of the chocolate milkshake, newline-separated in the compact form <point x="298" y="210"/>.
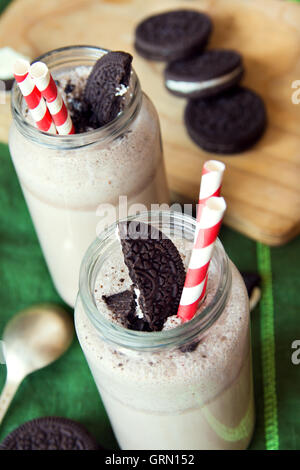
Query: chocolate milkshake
<point x="181" y="387"/>
<point x="72" y="184"/>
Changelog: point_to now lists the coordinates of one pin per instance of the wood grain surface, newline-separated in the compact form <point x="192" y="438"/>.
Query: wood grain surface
<point x="261" y="185"/>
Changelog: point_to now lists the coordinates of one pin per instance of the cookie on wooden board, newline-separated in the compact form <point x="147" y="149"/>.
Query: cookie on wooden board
<point x="206" y="74"/>
<point x="228" y="123"/>
<point x="173" y="34"/>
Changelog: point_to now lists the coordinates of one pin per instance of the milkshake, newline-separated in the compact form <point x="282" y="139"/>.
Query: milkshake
<point x="187" y="386"/>
<point x="72" y="184"/>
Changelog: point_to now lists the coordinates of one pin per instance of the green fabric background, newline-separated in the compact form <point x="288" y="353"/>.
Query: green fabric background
<point x="66" y="387"/>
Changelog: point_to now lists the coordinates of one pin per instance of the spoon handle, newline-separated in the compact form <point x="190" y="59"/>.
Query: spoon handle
<point x="6" y="396"/>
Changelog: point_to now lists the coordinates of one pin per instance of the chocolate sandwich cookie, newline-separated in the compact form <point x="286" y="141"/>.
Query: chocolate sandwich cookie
<point x="123" y="307"/>
<point x="227" y="123"/>
<point x="156" y="270"/>
<point x="204" y="75"/>
<point x="50" y="433"/>
<point x="252" y="282"/>
<point x="106" y="84"/>
<point x="172" y="35"/>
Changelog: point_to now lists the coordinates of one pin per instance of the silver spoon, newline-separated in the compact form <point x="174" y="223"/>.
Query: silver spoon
<point x="33" y="338"/>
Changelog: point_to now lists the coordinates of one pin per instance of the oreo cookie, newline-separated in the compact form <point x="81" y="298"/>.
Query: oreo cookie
<point x="106" y="84"/>
<point x="251" y="280"/>
<point x="205" y="75"/>
<point x="172" y="35"/>
<point x="50" y="433"/>
<point x="156" y="270"/>
<point x="123" y="306"/>
<point x="227" y="123"/>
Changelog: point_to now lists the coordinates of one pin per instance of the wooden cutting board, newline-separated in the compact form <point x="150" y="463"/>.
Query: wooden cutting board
<point x="262" y="186"/>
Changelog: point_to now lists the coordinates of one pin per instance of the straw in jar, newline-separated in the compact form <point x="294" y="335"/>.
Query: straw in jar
<point x="211" y="182"/>
<point x="45" y="83"/>
<point x="210" y="214"/>
<point x="33" y="97"/>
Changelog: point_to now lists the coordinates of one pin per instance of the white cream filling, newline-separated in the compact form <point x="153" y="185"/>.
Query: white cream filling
<point x="138" y="312"/>
<point x="255" y="298"/>
<point x="191" y="87"/>
<point x="121" y="90"/>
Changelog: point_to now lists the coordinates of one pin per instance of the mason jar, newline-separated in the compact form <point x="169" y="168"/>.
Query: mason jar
<point x="77" y="185"/>
<point x="189" y="387"/>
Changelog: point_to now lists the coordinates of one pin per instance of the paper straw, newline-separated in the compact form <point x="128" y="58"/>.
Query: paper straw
<point x="33" y="97"/>
<point x="211" y="182"/>
<point x="43" y="80"/>
<point x="206" y="234"/>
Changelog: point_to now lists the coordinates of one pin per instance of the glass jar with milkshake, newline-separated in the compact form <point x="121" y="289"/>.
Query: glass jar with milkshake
<point x="188" y="386"/>
<point x="72" y="183"/>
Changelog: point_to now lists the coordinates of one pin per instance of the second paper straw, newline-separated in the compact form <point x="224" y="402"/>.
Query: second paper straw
<point x="206" y="234"/>
<point x="33" y="97"/>
<point x="56" y="105"/>
<point x="211" y="182"/>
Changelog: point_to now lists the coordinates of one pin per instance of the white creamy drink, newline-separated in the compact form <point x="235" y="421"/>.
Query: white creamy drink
<point x="185" y="387"/>
<point x="72" y="184"/>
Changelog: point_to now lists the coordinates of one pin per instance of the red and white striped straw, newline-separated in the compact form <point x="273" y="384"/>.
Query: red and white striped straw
<point x="206" y="234"/>
<point x="43" y="80"/>
<point x="211" y="182"/>
<point x="33" y="97"/>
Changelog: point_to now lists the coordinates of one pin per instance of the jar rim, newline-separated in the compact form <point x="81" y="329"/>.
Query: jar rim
<point x="105" y="133"/>
<point x="139" y="340"/>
